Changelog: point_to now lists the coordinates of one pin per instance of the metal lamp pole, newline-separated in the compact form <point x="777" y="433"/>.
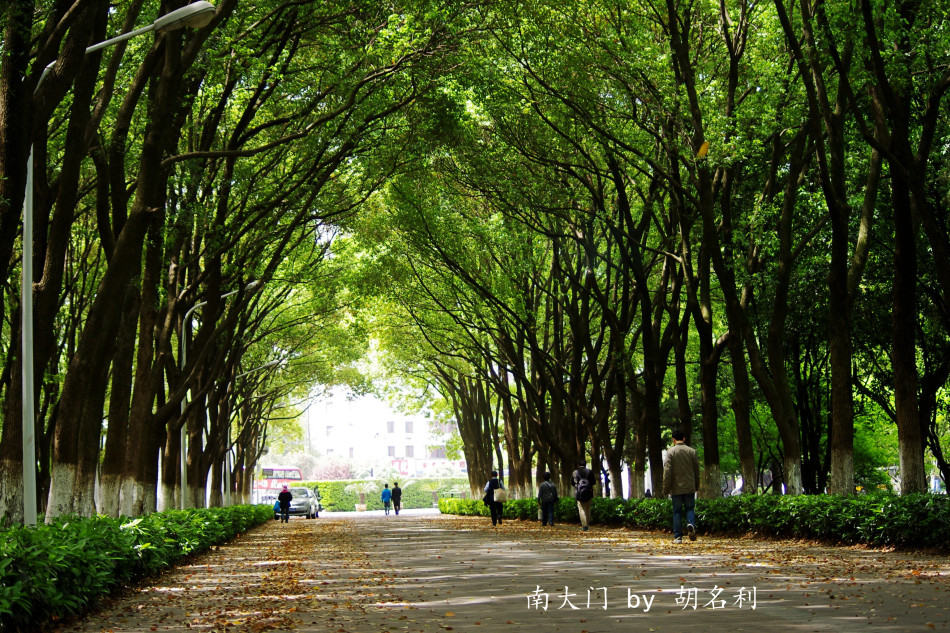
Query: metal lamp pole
<point x="194" y="15"/>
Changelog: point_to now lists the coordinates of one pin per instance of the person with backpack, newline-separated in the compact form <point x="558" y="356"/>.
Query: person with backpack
<point x="583" y="481"/>
<point x="547" y="498"/>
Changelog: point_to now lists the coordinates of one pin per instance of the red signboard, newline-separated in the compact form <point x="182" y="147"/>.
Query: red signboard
<point x="273" y="479"/>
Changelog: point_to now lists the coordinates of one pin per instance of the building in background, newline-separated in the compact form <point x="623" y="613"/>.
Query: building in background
<point x="368" y="433"/>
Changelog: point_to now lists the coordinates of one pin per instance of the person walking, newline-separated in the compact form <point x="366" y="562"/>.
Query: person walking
<point x="494" y="498"/>
<point x="547" y="499"/>
<point x="583" y="480"/>
<point x="397" y="497"/>
<point x="386" y="496"/>
<point x="681" y="481"/>
<point x="284" y="500"/>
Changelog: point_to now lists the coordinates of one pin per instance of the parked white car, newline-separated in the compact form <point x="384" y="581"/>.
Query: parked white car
<point x="304" y="504"/>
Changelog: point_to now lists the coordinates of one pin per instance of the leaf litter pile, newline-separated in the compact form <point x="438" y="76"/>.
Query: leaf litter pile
<point x="434" y="573"/>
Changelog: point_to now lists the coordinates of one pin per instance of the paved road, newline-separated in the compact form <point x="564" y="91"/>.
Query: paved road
<point x="425" y="572"/>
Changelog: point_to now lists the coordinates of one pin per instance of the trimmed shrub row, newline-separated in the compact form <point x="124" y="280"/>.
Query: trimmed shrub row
<point x="880" y="519"/>
<point x="58" y="570"/>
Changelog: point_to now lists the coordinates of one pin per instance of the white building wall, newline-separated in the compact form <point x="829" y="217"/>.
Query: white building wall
<point x="367" y="430"/>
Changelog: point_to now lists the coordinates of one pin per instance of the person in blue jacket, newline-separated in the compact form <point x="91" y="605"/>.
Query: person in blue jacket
<point x="386" y="497"/>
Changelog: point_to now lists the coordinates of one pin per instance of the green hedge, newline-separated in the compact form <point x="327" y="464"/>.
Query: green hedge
<point x="565" y="511"/>
<point x="880" y="519"/>
<point x="58" y="570"/>
<point x="335" y="498"/>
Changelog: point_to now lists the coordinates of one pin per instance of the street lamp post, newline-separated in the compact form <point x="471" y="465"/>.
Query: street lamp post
<point x="273" y="363"/>
<point x="183" y="359"/>
<point x="194" y="15"/>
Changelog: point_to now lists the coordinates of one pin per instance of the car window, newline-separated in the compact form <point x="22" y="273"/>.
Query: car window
<point x="299" y="493"/>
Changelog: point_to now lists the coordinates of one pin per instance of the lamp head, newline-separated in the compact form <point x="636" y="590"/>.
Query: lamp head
<point x="194" y="15"/>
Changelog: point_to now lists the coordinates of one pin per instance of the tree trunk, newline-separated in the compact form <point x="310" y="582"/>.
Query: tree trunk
<point x="113" y="463"/>
<point x="476" y="441"/>
<point x="904" y="351"/>
<point x="196" y="488"/>
<point x="171" y="468"/>
<point x="741" y="403"/>
<point x="841" y="429"/>
<point x="216" y="498"/>
<point x="76" y="443"/>
<point x="146" y="433"/>
<point x="11" y="474"/>
<point x="708" y="379"/>
<point x="11" y="450"/>
<point x="16" y="100"/>
<point x="640" y="449"/>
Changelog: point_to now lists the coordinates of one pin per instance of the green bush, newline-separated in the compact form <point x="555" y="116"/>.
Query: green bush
<point x="525" y="509"/>
<point x="879" y="519"/>
<point x="58" y="570"/>
<point x="463" y="507"/>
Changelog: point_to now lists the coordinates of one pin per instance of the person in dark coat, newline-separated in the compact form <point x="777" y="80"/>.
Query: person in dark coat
<point x="583" y="480"/>
<point x="495" y="507"/>
<point x="397" y="497"/>
<point x="547" y="498"/>
<point x="284" y="500"/>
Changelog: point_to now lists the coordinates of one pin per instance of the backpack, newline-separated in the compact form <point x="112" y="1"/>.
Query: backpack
<point x="585" y="492"/>
<point x="547" y="492"/>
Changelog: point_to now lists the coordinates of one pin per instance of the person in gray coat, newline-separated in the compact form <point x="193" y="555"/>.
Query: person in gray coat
<point x="681" y="481"/>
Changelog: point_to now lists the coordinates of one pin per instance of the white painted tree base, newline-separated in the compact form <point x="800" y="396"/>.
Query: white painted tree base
<point x="69" y="493"/>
